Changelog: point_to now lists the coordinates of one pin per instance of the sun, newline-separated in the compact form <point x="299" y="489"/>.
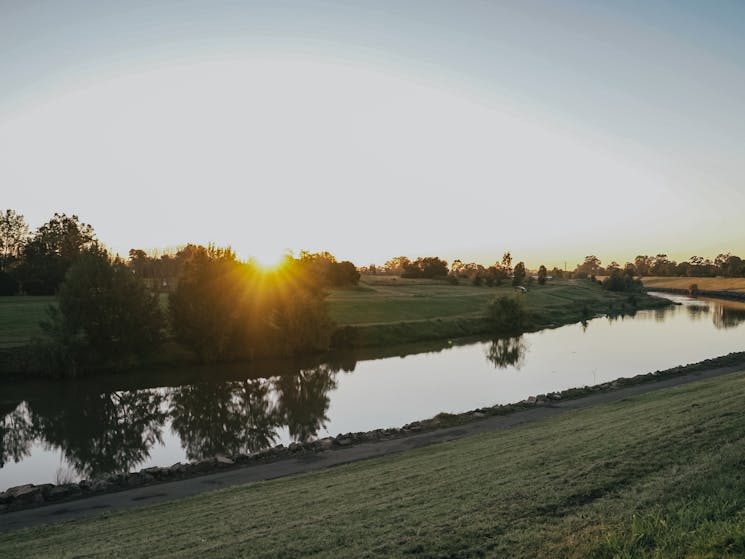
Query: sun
<point x="268" y="262"/>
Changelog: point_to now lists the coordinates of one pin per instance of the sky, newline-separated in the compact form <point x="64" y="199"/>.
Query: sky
<point x="462" y="129"/>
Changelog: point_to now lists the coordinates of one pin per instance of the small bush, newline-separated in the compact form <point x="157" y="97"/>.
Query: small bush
<point x="507" y="314"/>
<point x="693" y="290"/>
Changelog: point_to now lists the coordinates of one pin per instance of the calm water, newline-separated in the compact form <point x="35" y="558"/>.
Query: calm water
<point x="54" y="432"/>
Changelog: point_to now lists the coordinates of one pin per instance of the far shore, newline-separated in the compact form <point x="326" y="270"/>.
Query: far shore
<point x="383" y="312"/>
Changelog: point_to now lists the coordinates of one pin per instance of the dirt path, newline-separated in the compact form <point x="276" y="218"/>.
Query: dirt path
<point x="169" y="491"/>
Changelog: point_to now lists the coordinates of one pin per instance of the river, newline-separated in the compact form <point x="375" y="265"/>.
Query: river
<point x="56" y="432"/>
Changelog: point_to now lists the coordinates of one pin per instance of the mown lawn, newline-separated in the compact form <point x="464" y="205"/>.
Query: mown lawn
<point x="659" y="475"/>
<point x="704" y="284"/>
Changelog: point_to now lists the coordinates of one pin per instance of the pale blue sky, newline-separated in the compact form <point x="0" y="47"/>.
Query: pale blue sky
<point x="372" y="129"/>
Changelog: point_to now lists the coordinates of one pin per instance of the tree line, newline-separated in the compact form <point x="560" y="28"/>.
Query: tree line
<point x="36" y="263"/>
<point x="110" y="314"/>
<point x="725" y="265"/>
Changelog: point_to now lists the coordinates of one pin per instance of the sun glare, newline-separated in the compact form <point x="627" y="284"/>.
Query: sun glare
<point x="268" y="262"/>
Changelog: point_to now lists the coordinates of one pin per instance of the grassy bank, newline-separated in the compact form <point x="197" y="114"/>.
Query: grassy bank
<point x="386" y="310"/>
<point x="736" y="285"/>
<point x="381" y="311"/>
<point x="652" y="476"/>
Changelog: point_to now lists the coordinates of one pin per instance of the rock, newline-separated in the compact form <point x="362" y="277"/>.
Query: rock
<point x="344" y="442"/>
<point x="478" y="414"/>
<point x="28" y="494"/>
<point x="137" y="479"/>
<point x="326" y="444"/>
<point x="295" y="447"/>
<point x="531" y="400"/>
<point x="100" y="485"/>
<point x="156" y="471"/>
<point x="223" y="461"/>
<point x="204" y="465"/>
<point x="59" y="492"/>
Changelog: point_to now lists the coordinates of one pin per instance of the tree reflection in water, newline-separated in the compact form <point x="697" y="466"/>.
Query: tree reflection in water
<point x="726" y="316"/>
<point x="224" y="418"/>
<point x="506" y="352"/>
<point x="303" y="400"/>
<point x="16" y="434"/>
<point x="101" y="434"/>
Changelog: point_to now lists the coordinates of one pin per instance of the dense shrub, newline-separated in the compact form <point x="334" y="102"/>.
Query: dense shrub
<point x="507" y="314"/>
<point x="620" y="281"/>
<point x="105" y="317"/>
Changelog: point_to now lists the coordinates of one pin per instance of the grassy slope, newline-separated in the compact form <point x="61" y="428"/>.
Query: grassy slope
<point x="387" y="310"/>
<point x="704" y="284"/>
<point x="654" y="476"/>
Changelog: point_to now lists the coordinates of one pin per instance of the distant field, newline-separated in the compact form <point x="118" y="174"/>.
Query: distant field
<point x="704" y="284"/>
<point x="652" y="476"/>
<point x="384" y="299"/>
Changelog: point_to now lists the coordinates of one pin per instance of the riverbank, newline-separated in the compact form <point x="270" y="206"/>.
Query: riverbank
<point x="382" y="312"/>
<point x="731" y="289"/>
<point x="28" y="495"/>
<point x="639" y="475"/>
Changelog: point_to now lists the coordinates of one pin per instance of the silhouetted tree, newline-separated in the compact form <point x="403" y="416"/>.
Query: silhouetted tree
<point x="50" y="253"/>
<point x="542" y="274"/>
<point x="104" y="313"/>
<point x="13" y="237"/>
<point x="426" y="267"/>
<point x="518" y="274"/>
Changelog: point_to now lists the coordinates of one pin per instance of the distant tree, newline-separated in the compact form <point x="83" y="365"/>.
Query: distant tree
<point x="105" y="316"/>
<point x="620" y="281"/>
<point x="13" y="236"/>
<point x="542" y="274"/>
<point x="397" y="265"/>
<point x="590" y="267"/>
<point x="50" y="253"/>
<point x="426" y="267"/>
<point x="643" y="264"/>
<point x="507" y="264"/>
<point x="557" y="272"/>
<point x="663" y="266"/>
<point x="518" y="274"/>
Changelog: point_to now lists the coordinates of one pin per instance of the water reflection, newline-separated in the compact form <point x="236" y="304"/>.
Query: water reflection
<point x="728" y="316"/>
<point x="113" y="432"/>
<point x="100" y="434"/>
<point x="507" y="352"/>
<point x="16" y="434"/>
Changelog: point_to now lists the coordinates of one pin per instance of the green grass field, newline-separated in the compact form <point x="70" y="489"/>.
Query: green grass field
<point x="654" y="476"/>
<point x="393" y="310"/>
<point x="704" y="284"/>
